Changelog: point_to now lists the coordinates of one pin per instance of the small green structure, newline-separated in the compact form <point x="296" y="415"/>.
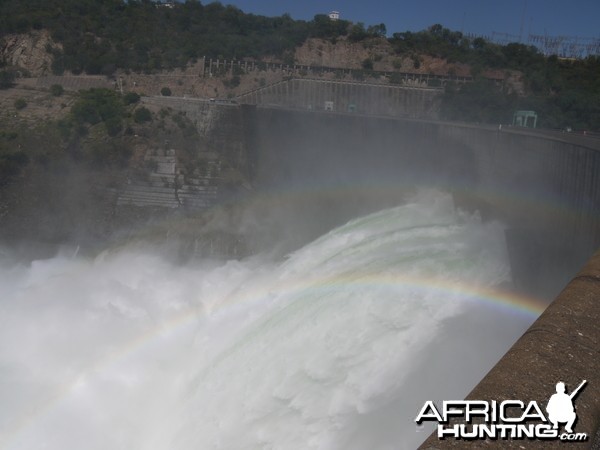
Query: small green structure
<point x="522" y="119"/>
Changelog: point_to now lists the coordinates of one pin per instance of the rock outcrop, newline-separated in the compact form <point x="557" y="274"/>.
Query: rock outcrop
<point x="348" y="55"/>
<point x="28" y="52"/>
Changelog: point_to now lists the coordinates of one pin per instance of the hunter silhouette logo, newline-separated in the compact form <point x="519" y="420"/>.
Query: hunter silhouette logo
<point x="560" y="407"/>
<point x="509" y="419"/>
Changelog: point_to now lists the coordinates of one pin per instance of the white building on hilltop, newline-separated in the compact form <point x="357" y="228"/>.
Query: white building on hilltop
<point x="334" y="15"/>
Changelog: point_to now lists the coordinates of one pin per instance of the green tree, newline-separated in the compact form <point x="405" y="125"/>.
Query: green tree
<point x="358" y="32"/>
<point x="113" y="126"/>
<point x="6" y="79"/>
<point x="131" y="98"/>
<point x="367" y="64"/>
<point x="20" y="103"/>
<point x="57" y="90"/>
<point x="142" y="115"/>
<point x="96" y="105"/>
<point x="377" y="30"/>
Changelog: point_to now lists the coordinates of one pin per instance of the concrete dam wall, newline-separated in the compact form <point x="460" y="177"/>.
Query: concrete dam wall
<point x="412" y="99"/>
<point x="546" y="189"/>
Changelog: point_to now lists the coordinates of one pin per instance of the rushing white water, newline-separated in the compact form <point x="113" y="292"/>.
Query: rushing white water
<point x="335" y="348"/>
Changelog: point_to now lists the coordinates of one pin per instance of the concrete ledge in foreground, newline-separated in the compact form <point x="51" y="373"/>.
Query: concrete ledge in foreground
<point x="563" y="344"/>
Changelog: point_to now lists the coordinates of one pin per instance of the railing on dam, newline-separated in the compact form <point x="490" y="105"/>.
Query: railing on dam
<point x="410" y="100"/>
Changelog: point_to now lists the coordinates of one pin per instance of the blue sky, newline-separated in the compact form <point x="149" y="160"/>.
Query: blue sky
<point x="552" y="17"/>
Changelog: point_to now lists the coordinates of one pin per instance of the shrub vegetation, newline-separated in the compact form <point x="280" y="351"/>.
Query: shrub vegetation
<point x="100" y="37"/>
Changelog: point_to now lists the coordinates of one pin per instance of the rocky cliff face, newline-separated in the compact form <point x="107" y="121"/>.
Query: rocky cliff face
<point x="28" y="51"/>
<point x="342" y="53"/>
<point x="345" y="54"/>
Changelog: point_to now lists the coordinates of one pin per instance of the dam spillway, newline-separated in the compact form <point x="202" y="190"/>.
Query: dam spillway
<point x="332" y="182"/>
<point x="545" y="188"/>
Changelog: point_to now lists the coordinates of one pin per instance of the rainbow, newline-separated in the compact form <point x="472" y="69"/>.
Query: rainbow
<point x="506" y="302"/>
<point x="544" y="207"/>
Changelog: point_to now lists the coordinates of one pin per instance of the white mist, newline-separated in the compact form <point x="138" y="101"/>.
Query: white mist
<point x="336" y="347"/>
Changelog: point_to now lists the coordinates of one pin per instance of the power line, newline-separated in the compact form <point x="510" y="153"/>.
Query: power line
<point x="576" y="47"/>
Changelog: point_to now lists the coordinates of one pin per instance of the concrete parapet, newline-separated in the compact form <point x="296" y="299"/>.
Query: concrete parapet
<point x="562" y="345"/>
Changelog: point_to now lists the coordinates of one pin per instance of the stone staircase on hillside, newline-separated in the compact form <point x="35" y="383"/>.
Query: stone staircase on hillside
<point x="165" y="186"/>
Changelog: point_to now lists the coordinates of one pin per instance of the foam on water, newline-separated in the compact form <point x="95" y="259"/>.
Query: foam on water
<point x="334" y="348"/>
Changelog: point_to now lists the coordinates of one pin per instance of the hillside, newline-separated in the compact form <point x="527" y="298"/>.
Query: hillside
<point x="64" y="158"/>
<point x="110" y="39"/>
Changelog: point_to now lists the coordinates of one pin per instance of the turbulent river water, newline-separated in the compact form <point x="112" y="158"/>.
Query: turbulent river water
<point x="336" y="346"/>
